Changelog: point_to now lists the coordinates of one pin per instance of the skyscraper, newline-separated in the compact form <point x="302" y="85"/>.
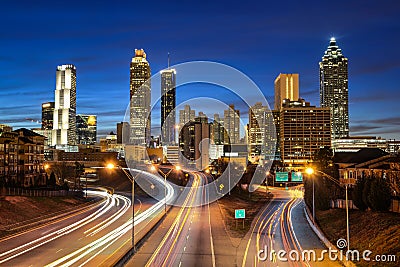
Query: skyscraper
<point x="64" y="119"/>
<point x="257" y="128"/>
<point x="333" y="77"/>
<point x="140" y="97"/>
<point x="168" y="103"/>
<point x="123" y="132"/>
<point x="286" y="87"/>
<point x="232" y="125"/>
<point x="86" y="129"/>
<point x="185" y="115"/>
<point x="47" y="115"/>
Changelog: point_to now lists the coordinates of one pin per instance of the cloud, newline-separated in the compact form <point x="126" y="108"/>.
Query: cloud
<point x="377" y="67"/>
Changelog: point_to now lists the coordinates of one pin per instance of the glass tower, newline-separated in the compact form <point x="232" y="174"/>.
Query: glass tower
<point x="168" y="103"/>
<point x="334" y="90"/>
<point x="140" y="97"/>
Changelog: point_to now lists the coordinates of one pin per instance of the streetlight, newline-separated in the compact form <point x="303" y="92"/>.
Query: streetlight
<point x="111" y="166"/>
<point x="310" y="172"/>
<point x="347" y="201"/>
<point x="153" y="168"/>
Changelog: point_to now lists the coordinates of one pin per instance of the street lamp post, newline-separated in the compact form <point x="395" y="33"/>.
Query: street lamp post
<point x="347" y="202"/>
<point x="310" y="171"/>
<point x="111" y="166"/>
<point x="165" y="183"/>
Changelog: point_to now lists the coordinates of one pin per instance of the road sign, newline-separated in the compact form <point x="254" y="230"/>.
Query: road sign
<point x="240" y="214"/>
<point x="281" y="176"/>
<point x="297" y="177"/>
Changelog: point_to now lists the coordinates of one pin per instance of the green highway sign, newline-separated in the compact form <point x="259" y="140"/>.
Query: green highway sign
<point x="240" y="214"/>
<point x="297" y="177"/>
<point x="281" y="176"/>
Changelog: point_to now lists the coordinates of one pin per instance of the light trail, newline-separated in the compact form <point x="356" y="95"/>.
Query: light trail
<point x="101" y="243"/>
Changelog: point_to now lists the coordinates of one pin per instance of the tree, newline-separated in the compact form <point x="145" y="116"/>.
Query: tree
<point x="63" y="171"/>
<point x="79" y="171"/>
<point x="52" y="180"/>
<point x="366" y="191"/>
<point x="380" y="195"/>
<point x="358" y="194"/>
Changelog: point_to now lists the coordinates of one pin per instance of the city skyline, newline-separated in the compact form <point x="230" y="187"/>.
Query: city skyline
<point x="366" y="81"/>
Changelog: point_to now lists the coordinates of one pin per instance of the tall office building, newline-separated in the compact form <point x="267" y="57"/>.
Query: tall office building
<point x="185" y="115"/>
<point x="123" y="132"/>
<point x="232" y="125"/>
<point x="194" y="142"/>
<point x="168" y="103"/>
<point x="140" y="97"/>
<point x="218" y="131"/>
<point x="257" y="128"/>
<point x="334" y="90"/>
<point x="286" y="87"/>
<point x="47" y="115"/>
<point x="86" y="129"/>
<point x="304" y="129"/>
<point x="64" y="119"/>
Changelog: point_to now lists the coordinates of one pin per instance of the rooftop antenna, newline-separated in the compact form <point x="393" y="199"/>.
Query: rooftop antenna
<point x="168" y="60"/>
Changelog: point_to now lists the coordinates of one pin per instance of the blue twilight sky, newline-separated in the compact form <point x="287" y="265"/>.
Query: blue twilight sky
<point x="259" y="38"/>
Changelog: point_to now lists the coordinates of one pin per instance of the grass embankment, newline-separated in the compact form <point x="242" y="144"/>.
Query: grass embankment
<point x="241" y="200"/>
<point x="378" y="232"/>
<point x="16" y="210"/>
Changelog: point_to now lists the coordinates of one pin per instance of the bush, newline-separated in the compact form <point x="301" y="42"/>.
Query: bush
<point x="379" y="195"/>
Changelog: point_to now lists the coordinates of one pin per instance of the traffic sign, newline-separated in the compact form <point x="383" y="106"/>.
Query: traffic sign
<point x="281" y="177"/>
<point x="297" y="177"/>
<point x="240" y="214"/>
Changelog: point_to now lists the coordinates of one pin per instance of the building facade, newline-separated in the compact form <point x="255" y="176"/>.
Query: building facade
<point x="286" y="87"/>
<point x="168" y="104"/>
<point x="47" y="115"/>
<point x="194" y="142"/>
<point x="123" y="132"/>
<point x="232" y="125"/>
<point x="304" y="129"/>
<point x="334" y="89"/>
<point x="140" y="98"/>
<point x="22" y="159"/>
<point x="217" y="130"/>
<point x="186" y="115"/>
<point x="64" y="119"/>
<point x="86" y="129"/>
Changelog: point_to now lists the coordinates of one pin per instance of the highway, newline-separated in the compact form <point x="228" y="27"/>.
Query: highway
<point x="277" y="229"/>
<point x="92" y="237"/>
<point x="189" y="239"/>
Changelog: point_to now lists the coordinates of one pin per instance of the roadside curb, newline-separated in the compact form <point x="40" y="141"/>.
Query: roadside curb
<point x="322" y="237"/>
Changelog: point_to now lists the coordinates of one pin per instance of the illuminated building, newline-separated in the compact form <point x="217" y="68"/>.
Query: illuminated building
<point x="86" y="129"/>
<point x="140" y="97"/>
<point x="186" y="115"/>
<point x="168" y="102"/>
<point x="286" y="87"/>
<point x="304" y="129"/>
<point x="64" y="119"/>
<point x="218" y="132"/>
<point x="47" y="115"/>
<point x="232" y="125"/>
<point x="21" y="158"/>
<point x="194" y="141"/>
<point x="334" y="88"/>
